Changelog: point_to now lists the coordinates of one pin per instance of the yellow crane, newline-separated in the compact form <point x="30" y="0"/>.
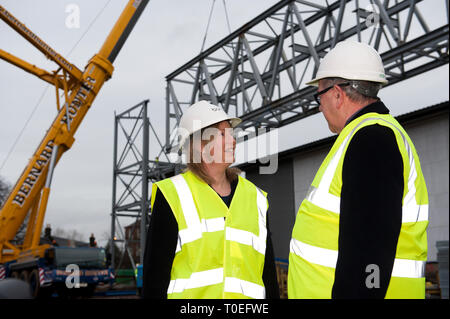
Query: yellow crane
<point x="31" y="191"/>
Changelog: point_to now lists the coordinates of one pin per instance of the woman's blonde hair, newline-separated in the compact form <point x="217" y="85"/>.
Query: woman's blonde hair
<point x="198" y="168"/>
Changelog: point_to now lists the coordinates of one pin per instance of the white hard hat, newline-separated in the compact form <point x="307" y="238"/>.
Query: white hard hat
<point x="200" y="115"/>
<point x="351" y="60"/>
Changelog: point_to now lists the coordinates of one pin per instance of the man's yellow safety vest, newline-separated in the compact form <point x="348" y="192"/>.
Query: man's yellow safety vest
<point x="314" y="244"/>
<point x="221" y="250"/>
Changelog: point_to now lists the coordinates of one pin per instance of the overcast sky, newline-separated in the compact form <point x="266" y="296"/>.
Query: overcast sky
<point x="168" y="34"/>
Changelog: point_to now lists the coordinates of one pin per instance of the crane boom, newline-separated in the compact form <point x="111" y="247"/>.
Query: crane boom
<point x="31" y="191"/>
<point x="18" y="26"/>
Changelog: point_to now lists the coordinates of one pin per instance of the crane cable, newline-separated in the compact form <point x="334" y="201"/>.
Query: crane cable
<point x="207" y="26"/>
<point x="209" y="21"/>
<point x="46" y="88"/>
<point x="226" y="16"/>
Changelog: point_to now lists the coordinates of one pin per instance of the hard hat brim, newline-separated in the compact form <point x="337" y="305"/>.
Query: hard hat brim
<point x="234" y="121"/>
<point x="315" y="81"/>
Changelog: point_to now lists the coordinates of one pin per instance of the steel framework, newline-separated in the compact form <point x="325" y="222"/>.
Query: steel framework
<point x="258" y="72"/>
<point x="132" y="173"/>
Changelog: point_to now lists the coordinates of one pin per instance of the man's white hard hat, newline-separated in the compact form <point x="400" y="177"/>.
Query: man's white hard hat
<point x="351" y="60"/>
<point x="200" y="115"/>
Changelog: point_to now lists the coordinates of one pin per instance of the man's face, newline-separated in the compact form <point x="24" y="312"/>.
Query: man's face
<point x="328" y="107"/>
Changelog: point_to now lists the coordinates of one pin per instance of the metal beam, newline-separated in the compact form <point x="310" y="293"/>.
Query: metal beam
<point x="131" y="170"/>
<point x="289" y="36"/>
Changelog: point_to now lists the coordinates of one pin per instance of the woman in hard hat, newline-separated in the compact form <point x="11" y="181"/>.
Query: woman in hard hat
<point x="208" y="235"/>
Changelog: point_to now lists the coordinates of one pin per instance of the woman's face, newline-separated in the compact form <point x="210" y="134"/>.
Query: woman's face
<point x="218" y="144"/>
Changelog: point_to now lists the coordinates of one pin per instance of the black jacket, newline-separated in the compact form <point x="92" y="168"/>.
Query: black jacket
<point x="160" y="248"/>
<point x="371" y="210"/>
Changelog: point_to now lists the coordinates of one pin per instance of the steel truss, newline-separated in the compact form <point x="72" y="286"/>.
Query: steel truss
<point x="258" y="72"/>
<point x="132" y="173"/>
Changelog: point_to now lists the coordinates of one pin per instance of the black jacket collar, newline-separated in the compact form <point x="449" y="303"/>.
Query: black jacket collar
<point x="375" y="107"/>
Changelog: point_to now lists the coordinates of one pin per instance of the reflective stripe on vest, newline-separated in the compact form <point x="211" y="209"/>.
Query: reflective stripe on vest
<point x="405" y="268"/>
<point x="194" y="230"/>
<point x="215" y="276"/>
<point x="197" y="279"/>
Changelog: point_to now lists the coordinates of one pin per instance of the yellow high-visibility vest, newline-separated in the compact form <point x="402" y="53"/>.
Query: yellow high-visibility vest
<point x="314" y="244"/>
<point x="221" y="250"/>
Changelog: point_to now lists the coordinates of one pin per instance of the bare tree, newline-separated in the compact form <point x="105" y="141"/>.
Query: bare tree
<point x="5" y="189"/>
<point x="71" y="234"/>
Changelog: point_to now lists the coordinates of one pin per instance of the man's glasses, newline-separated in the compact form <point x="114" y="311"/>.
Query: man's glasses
<point x="318" y="94"/>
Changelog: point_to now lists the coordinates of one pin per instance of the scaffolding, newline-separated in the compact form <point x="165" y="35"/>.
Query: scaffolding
<point x="133" y="172"/>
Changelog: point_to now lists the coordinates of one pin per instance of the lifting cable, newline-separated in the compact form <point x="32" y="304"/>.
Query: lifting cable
<point x="209" y="21"/>
<point x="207" y="26"/>
<point x="46" y="88"/>
<point x="226" y="16"/>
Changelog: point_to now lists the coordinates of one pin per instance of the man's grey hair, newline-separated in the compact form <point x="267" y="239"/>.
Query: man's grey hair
<point x="358" y="91"/>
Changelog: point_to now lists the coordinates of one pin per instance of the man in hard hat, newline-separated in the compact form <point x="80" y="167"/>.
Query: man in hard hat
<point x="208" y="234"/>
<point x="361" y="230"/>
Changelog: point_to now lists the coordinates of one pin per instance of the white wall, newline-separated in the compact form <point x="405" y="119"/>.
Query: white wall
<point x="430" y="138"/>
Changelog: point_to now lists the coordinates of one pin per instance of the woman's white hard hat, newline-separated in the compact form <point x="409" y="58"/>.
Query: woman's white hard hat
<point x="200" y="115"/>
<point x="351" y="60"/>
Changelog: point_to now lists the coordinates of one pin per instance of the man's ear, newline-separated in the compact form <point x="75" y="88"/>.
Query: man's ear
<point x="340" y="96"/>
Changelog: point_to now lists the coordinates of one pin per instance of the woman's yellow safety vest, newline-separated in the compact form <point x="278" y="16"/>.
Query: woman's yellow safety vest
<point x="314" y="244"/>
<point x="220" y="251"/>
